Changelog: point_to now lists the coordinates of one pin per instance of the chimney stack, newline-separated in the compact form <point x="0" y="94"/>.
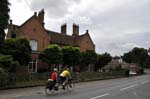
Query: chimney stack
<point x="41" y="17"/>
<point x="75" y="30"/>
<point x="64" y="28"/>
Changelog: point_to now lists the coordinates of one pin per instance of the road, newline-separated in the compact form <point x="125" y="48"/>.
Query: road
<point x="137" y="87"/>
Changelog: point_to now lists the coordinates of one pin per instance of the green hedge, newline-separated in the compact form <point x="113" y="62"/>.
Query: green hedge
<point x="102" y="75"/>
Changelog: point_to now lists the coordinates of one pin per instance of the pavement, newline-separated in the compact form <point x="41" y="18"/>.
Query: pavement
<point x="19" y="92"/>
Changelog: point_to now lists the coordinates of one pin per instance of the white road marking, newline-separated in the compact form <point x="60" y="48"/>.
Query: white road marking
<point x="135" y="95"/>
<point x="128" y="87"/>
<point x="144" y="82"/>
<point x="106" y="94"/>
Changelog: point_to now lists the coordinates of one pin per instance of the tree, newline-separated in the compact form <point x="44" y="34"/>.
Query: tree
<point x="147" y="63"/>
<point x="127" y="57"/>
<point x="51" y="55"/>
<point x="4" y="17"/>
<point x="88" y="57"/>
<point x="102" y="60"/>
<point x="19" y="49"/>
<point x="136" y="55"/>
<point x="148" y="51"/>
<point x="7" y="63"/>
<point x="71" y="55"/>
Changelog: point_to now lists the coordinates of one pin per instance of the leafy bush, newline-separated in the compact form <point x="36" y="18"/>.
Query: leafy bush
<point x="19" y="49"/>
<point x="7" y="63"/>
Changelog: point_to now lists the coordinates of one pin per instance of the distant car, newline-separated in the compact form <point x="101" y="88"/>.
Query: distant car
<point x="132" y="73"/>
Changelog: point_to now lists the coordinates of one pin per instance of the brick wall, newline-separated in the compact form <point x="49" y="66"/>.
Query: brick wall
<point x="33" y="30"/>
<point x="86" y="44"/>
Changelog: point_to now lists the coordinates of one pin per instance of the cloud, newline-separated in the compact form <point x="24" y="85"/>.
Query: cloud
<point x="116" y="26"/>
<point x="19" y="1"/>
<point x="120" y="45"/>
<point x="54" y="8"/>
<point x="19" y="11"/>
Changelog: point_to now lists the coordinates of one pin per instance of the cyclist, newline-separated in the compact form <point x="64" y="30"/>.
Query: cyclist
<point x="54" y="77"/>
<point x="64" y="76"/>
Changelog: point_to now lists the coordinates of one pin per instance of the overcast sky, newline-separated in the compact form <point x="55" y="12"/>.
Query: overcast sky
<point x="115" y="26"/>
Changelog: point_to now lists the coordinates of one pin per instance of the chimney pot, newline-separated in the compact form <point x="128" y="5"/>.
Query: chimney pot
<point x="35" y="13"/>
<point x="87" y="31"/>
<point x="10" y="21"/>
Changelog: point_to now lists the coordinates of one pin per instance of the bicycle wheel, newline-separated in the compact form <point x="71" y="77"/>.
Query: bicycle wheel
<point x="49" y="90"/>
<point x="70" y="86"/>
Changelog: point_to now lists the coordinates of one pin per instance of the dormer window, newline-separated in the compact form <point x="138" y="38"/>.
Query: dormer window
<point x="33" y="44"/>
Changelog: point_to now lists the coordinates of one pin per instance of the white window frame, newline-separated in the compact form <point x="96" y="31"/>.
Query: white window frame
<point x="32" y="64"/>
<point x="33" y="44"/>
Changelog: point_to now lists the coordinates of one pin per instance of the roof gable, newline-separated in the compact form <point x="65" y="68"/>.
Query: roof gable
<point x="86" y="35"/>
<point x="34" y="16"/>
<point x="33" y="25"/>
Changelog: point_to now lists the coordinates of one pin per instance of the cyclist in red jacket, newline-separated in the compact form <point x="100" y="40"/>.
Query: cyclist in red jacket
<point x="53" y="78"/>
<point x="51" y="83"/>
<point x="54" y="75"/>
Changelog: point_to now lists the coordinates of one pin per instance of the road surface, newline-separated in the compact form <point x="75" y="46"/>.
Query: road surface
<point x="137" y="87"/>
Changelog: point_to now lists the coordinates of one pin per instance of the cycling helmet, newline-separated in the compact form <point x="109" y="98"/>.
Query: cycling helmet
<point x="55" y="69"/>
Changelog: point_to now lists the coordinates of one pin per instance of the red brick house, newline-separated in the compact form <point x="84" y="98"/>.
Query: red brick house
<point x="33" y="29"/>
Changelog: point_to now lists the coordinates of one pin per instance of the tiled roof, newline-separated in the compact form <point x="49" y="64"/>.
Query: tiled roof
<point x="115" y="63"/>
<point x="63" y="39"/>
